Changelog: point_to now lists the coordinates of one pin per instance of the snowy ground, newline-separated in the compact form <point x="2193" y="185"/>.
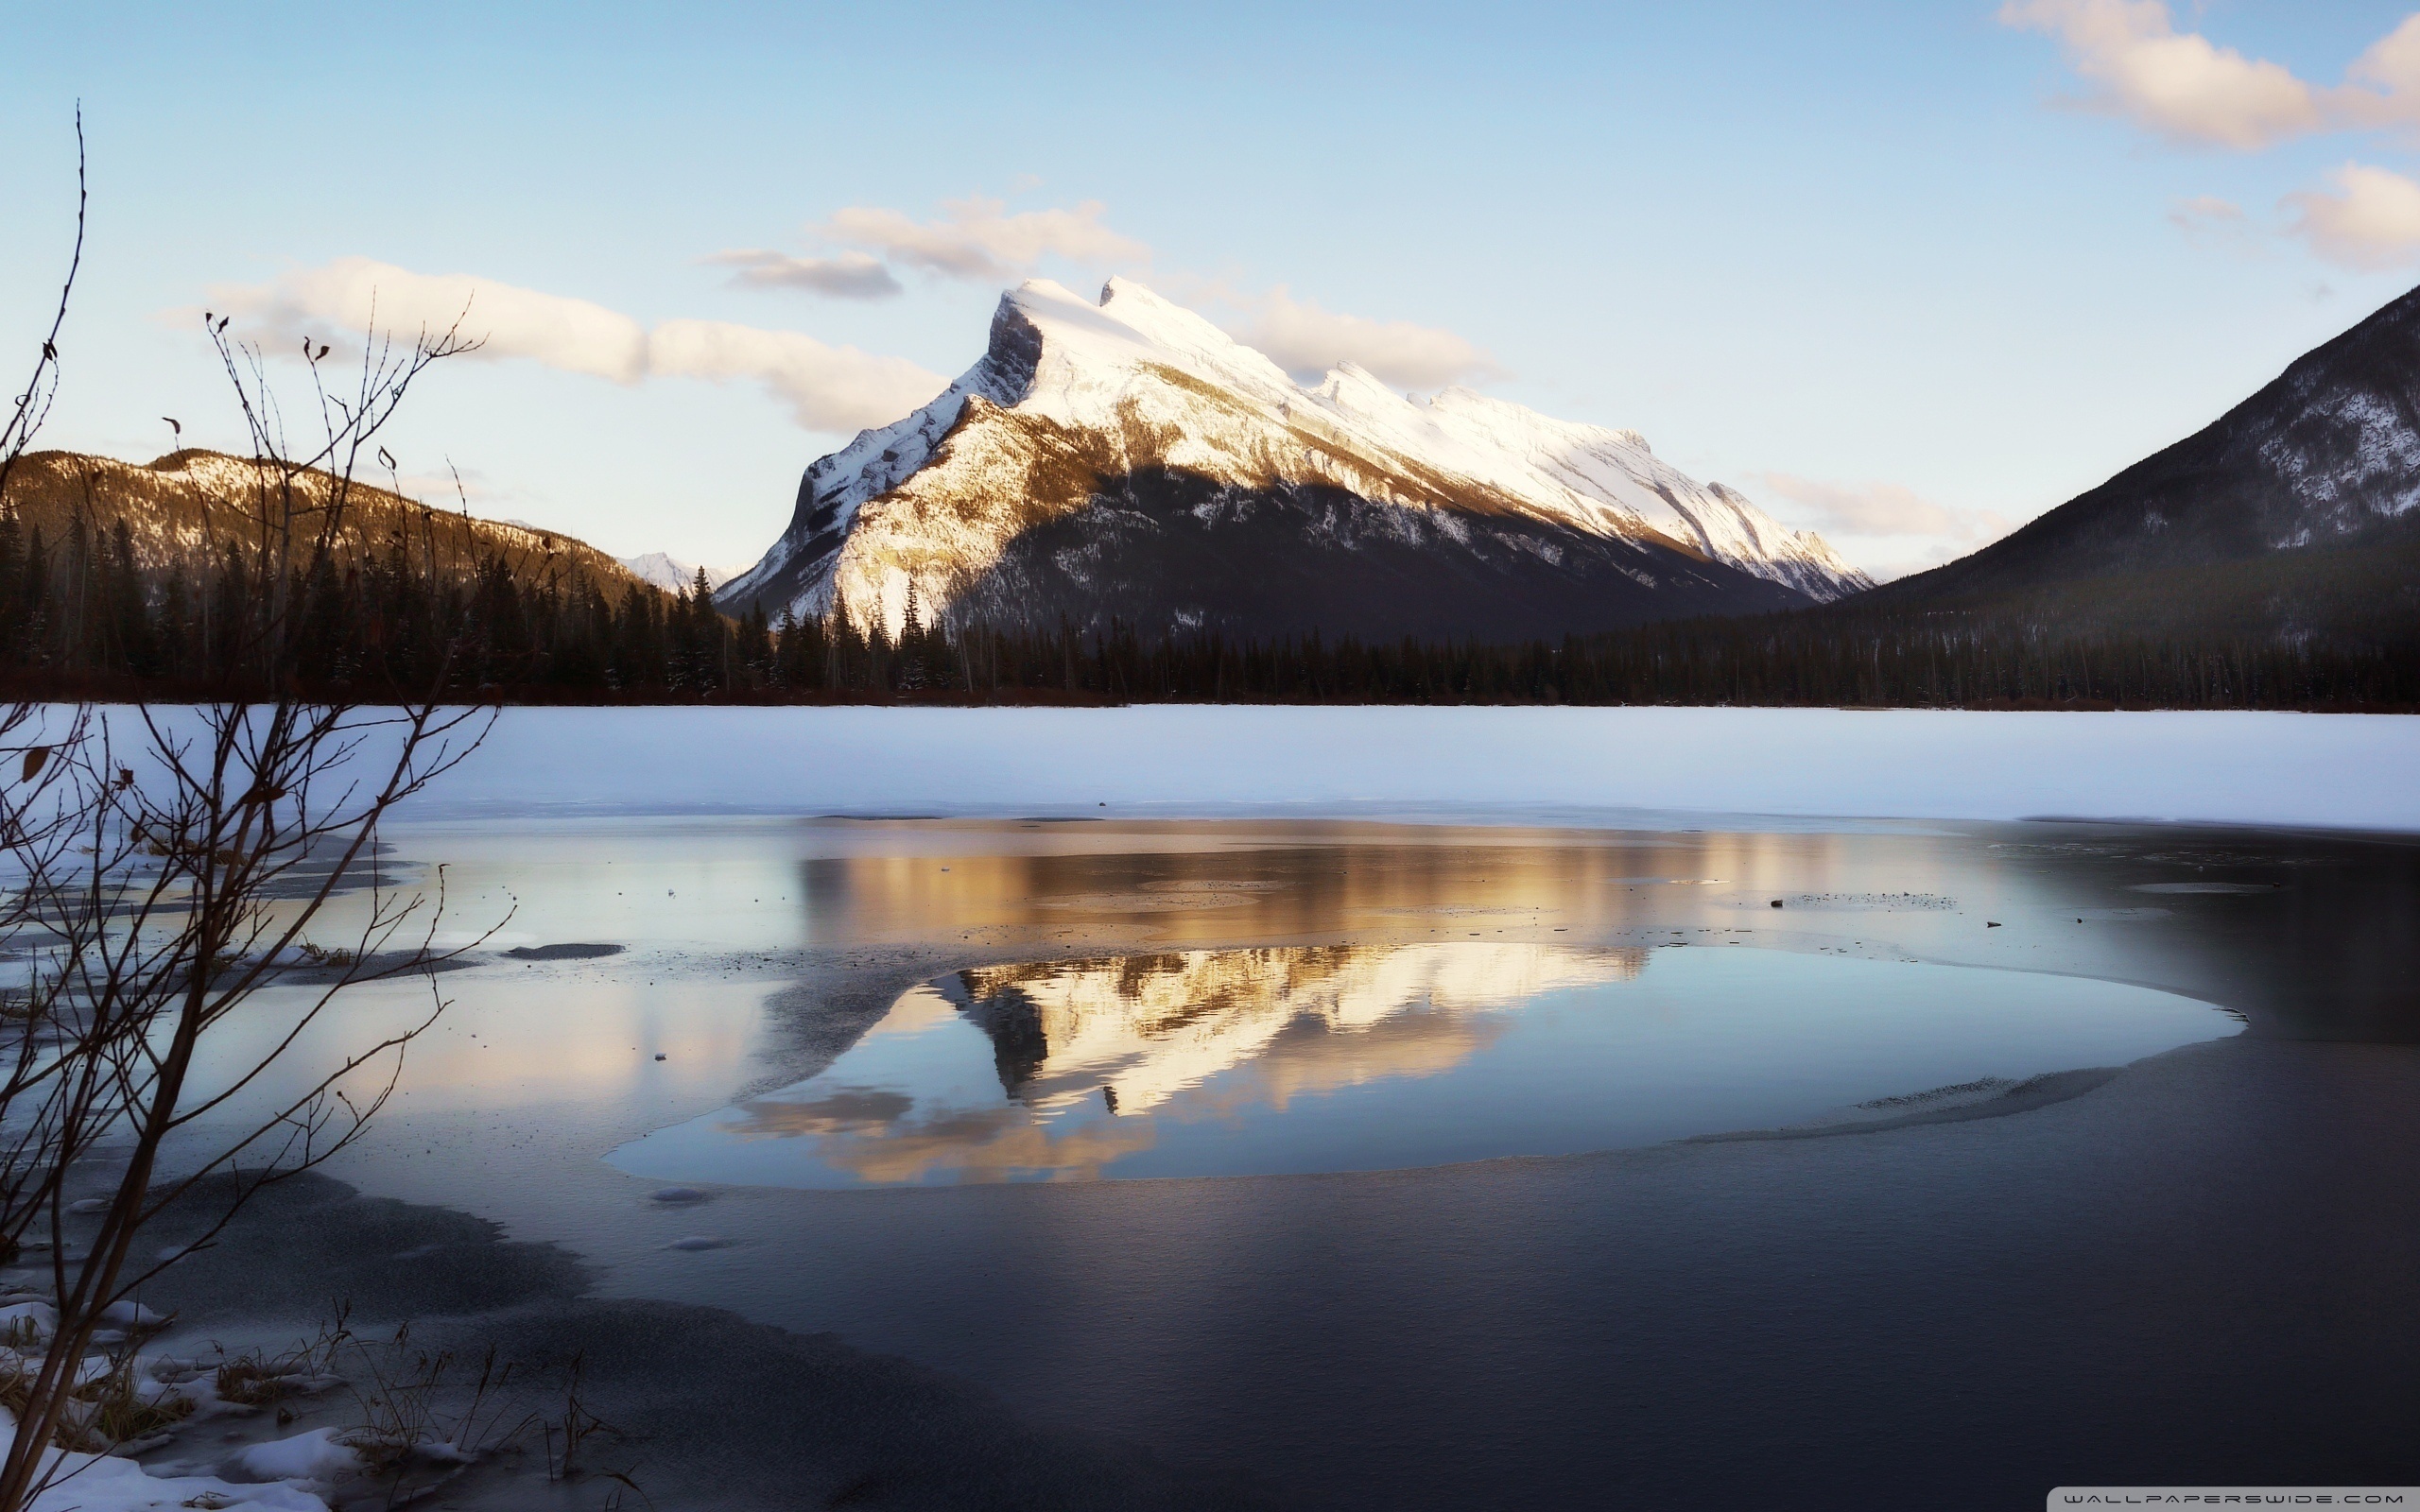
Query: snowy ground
<point x="291" y="1473"/>
<point x="2323" y="770"/>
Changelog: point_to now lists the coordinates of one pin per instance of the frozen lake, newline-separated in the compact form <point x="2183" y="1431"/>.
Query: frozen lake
<point x="1607" y="767"/>
<point x="1402" y="1159"/>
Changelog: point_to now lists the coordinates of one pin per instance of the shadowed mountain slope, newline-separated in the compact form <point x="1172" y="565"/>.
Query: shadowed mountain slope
<point x="2299" y="482"/>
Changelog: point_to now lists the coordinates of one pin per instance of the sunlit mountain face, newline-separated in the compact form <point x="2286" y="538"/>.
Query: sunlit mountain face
<point x="1136" y="1030"/>
<point x="1304" y="1058"/>
<point x="1123" y="462"/>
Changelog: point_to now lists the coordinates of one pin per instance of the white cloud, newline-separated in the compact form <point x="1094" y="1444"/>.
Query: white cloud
<point x="1879" y="509"/>
<point x="2189" y="89"/>
<point x="347" y="297"/>
<point x="2178" y="84"/>
<point x="976" y="240"/>
<point x="972" y="239"/>
<point x="828" y="388"/>
<point x="848" y="276"/>
<point x="1895" y="530"/>
<point x="2371" y="220"/>
<point x="2387" y="79"/>
<point x="1306" y="341"/>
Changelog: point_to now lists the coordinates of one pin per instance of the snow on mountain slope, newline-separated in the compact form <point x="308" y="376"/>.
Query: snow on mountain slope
<point x="671" y="574"/>
<point x="1129" y="459"/>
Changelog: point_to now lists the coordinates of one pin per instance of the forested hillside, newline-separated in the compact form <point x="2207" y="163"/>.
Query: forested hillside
<point x="134" y="582"/>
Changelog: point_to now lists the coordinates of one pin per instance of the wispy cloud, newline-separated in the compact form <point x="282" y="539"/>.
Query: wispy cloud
<point x="1306" y="341"/>
<point x="1895" y="530"/>
<point x="976" y="240"/>
<point x="826" y="388"/>
<point x="973" y="239"/>
<point x="2206" y="212"/>
<point x="2212" y="221"/>
<point x="848" y="276"/>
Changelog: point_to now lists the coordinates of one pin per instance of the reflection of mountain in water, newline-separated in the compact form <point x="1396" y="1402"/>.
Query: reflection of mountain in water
<point x="885" y="1147"/>
<point x="1309" y="1018"/>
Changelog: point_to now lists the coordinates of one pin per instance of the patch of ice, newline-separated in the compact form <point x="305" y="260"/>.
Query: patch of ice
<point x="2360" y="771"/>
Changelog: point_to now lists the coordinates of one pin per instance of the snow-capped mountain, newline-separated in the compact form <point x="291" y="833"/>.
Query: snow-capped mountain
<point x="1130" y="460"/>
<point x="671" y="574"/>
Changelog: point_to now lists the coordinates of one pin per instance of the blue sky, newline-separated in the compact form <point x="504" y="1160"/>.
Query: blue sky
<point x="1907" y="273"/>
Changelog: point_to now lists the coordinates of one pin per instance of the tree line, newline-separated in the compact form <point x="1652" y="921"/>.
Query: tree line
<point x="81" y="615"/>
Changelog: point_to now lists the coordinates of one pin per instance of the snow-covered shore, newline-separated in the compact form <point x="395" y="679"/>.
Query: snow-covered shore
<point x="2321" y="770"/>
<point x="292" y="1473"/>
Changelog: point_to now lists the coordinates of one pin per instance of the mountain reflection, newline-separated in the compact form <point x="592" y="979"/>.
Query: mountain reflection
<point x="1091" y="1054"/>
<point x="967" y="1143"/>
<point x="1311" y="1018"/>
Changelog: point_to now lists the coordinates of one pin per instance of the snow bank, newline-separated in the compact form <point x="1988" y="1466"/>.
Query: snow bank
<point x="100" y="1484"/>
<point x="27" y="1322"/>
<point x="2332" y="770"/>
<point x="313" y="1456"/>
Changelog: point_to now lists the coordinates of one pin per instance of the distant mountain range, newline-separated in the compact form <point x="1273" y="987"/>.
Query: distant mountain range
<point x="671" y="574"/>
<point x="1127" y="461"/>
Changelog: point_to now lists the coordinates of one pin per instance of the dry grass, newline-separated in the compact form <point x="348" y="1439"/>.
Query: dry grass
<point x="251" y="1381"/>
<point x="109" y="1410"/>
<point x="121" y="1413"/>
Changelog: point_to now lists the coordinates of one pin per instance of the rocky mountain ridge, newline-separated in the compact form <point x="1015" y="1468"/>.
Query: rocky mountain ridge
<point x="178" y="508"/>
<point x="1128" y="461"/>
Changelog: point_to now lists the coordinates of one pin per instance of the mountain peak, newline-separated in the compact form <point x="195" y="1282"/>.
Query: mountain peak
<point x="670" y="573"/>
<point x="1126" y="449"/>
<point x="1118" y="286"/>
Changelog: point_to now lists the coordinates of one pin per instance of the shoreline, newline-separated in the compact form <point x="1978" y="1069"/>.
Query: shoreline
<point x="735" y="1414"/>
<point x="1918" y="1248"/>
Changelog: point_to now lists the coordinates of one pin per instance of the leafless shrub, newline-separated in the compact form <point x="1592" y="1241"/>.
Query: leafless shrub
<point x="157" y="869"/>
